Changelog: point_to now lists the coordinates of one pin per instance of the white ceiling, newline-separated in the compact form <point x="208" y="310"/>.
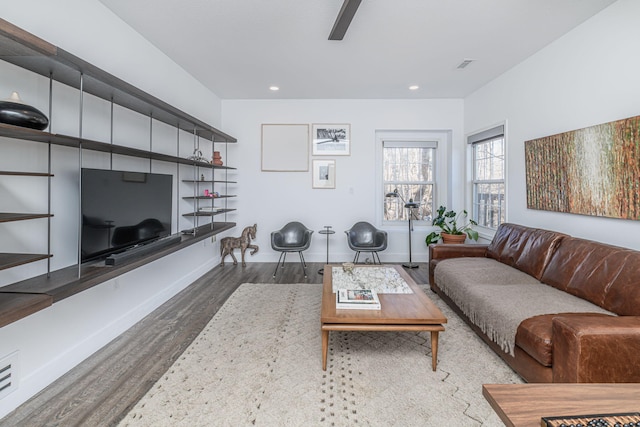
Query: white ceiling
<point x="238" y="48"/>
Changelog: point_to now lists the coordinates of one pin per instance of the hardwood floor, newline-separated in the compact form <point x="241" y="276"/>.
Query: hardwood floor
<point x="102" y="389"/>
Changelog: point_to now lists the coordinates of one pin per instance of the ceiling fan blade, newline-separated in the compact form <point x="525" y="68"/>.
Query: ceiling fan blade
<point x="344" y="18"/>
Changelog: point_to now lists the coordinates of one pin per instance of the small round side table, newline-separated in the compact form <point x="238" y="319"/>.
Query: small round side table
<point x="327" y="230"/>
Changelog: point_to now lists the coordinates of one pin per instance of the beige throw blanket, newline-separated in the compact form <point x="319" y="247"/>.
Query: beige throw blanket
<point x="497" y="298"/>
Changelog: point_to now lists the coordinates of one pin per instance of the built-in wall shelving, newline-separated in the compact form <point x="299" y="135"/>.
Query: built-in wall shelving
<point x="10" y="260"/>
<point x="87" y="144"/>
<point x="33" y="54"/>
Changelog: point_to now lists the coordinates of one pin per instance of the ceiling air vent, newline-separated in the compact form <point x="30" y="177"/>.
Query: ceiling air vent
<point x="8" y="374"/>
<point x="464" y="64"/>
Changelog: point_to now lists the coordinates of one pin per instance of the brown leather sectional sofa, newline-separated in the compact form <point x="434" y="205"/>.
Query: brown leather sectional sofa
<point x="526" y="270"/>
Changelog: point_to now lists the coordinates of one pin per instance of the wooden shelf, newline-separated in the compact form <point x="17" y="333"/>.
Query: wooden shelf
<point x="8" y="217"/>
<point x="204" y="213"/>
<point x="65" y="282"/>
<point x="10" y="260"/>
<point x="207" y="197"/>
<point x="17" y="132"/>
<point x="34" y="54"/>
<point x="196" y="181"/>
<point x="9" y="173"/>
<point x="16" y="305"/>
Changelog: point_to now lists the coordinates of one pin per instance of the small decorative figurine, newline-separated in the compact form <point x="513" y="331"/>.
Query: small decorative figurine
<point x="228" y="244"/>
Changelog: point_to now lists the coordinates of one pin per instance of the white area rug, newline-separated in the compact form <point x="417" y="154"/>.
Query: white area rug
<point x="258" y="362"/>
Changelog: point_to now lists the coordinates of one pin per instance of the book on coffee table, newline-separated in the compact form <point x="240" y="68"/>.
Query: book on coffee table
<point x="357" y="299"/>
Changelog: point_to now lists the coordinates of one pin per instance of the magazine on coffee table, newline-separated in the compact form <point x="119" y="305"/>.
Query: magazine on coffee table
<point x="357" y="299"/>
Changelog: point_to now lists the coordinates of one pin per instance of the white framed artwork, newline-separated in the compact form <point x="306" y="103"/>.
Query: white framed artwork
<point x="285" y="147"/>
<point x="331" y="139"/>
<point x="324" y="174"/>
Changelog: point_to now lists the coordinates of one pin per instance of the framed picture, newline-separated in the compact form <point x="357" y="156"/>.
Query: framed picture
<point x="331" y="139"/>
<point x="589" y="171"/>
<point x="324" y="174"/>
<point x="285" y="148"/>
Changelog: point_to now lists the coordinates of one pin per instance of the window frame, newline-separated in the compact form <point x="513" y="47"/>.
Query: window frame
<point x="488" y="135"/>
<point x="407" y="143"/>
<point x="443" y="140"/>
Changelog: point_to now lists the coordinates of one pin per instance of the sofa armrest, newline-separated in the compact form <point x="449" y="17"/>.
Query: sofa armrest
<point x="440" y="251"/>
<point x="596" y="349"/>
<point x="444" y="251"/>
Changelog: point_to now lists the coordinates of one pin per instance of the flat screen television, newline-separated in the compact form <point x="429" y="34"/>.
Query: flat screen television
<point x="123" y="209"/>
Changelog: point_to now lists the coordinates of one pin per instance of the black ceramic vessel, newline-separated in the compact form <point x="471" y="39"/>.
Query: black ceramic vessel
<point x="17" y="114"/>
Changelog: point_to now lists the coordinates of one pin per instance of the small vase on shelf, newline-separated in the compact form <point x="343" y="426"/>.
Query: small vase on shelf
<point x="15" y="112"/>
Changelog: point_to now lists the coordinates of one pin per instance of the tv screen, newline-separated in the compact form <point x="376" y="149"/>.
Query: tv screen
<point x="123" y="209"/>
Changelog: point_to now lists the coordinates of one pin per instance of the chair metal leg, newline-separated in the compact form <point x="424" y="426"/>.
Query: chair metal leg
<point x="355" y="258"/>
<point x="374" y="255"/>
<point x="278" y="264"/>
<point x="304" y="264"/>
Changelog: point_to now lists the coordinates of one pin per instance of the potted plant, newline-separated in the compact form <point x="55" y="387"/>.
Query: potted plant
<point x="450" y="231"/>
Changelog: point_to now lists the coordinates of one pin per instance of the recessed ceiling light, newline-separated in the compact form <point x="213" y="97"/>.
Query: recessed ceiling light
<point x="414" y="87"/>
<point x="274" y="88"/>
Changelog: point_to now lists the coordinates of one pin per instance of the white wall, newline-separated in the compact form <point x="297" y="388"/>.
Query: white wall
<point x="585" y="78"/>
<point x="272" y="199"/>
<point x="89" y="30"/>
<point x="52" y="341"/>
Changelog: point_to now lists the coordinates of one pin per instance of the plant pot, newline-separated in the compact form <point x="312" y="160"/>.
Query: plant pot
<point x="453" y="238"/>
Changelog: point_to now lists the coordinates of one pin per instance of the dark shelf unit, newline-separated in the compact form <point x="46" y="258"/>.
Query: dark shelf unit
<point x="33" y="54"/>
<point x="26" y="297"/>
<point x="205" y="213"/>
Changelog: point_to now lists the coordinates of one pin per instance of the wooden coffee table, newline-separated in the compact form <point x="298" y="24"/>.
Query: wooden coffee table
<point x="524" y="405"/>
<point x="399" y="312"/>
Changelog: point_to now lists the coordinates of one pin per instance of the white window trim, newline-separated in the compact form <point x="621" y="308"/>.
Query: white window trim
<point x="484" y="232"/>
<point x="443" y="140"/>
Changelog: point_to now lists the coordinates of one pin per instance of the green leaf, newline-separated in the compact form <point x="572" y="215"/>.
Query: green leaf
<point x="447" y="221"/>
<point x="432" y="237"/>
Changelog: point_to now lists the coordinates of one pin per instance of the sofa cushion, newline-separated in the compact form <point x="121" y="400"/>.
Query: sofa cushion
<point x="497" y="298"/>
<point x="606" y="275"/>
<point x="527" y="249"/>
<point x="534" y="335"/>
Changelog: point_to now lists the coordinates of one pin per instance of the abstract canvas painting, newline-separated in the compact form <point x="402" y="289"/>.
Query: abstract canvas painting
<point x="590" y="171"/>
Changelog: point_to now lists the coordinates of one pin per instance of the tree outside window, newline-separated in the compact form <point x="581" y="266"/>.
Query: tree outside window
<point x="489" y="182"/>
<point x="409" y="168"/>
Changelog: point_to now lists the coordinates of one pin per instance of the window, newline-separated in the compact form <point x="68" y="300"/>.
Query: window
<point x="409" y="167"/>
<point x="488" y="156"/>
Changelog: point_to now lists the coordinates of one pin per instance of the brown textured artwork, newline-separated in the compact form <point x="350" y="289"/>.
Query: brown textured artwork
<point x="590" y="171"/>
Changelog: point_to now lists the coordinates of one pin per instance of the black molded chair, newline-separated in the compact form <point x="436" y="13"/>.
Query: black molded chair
<point x="364" y="237"/>
<point x="293" y="237"/>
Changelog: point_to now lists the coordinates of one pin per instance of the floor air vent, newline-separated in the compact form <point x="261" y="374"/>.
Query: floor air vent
<point x="8" y="374"/>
